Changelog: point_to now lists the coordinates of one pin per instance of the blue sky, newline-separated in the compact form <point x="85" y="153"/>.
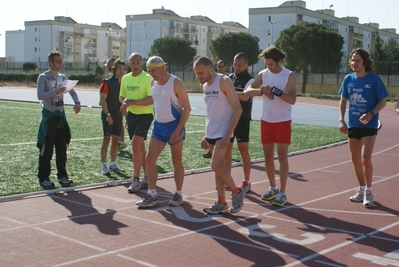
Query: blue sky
<point x="93" y="12"/>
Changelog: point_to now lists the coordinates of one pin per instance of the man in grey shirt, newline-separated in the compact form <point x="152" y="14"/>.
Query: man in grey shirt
<point x="54" y="129"/>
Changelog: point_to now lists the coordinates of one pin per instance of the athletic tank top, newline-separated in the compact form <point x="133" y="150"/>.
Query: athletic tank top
<point x="276" y="110"/>
<point x="218" y="110"/>
<point x="166" y="105"/>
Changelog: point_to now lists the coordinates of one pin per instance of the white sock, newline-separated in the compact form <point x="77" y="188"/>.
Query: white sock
<point x="179" y="192"/>
<point x="104" y="164"/>
<point x="112" y="163"/>
<point x="362" y="188"/>
<point x="369" y="188"/>
<point x="152" y="192"/>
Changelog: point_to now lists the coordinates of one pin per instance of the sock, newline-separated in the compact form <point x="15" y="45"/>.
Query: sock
<point x="222" y="199"/>
<point x="152" y="192"/>
<point x="236" y="190"/>
<point x="369" y="188"/>
<point x="112" y="163"/>
<point x="363" y="187"/>
<point x="179" y="192"/>
<point x="104" y="164"/>
<point x="136" y="178"/>
<point x="121" y="142"/>
<point x="244" y="183"/>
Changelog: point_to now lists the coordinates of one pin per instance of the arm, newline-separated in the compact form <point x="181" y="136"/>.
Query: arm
<point x="365" y="118"/>
<point x="343" y="128"/>
<point x="181" y="93"/>
<point x="227" y="87"/>
<point x="42" y="94"/>
<point x="241" y="95"/>
<point x="254" y="88"/>
<point x="290" y="96"/>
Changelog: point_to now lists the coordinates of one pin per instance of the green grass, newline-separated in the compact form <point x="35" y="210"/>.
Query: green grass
<point x="19" y="155"/>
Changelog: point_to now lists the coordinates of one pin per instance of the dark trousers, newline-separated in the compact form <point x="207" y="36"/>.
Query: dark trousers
<point x="55" y="137"/>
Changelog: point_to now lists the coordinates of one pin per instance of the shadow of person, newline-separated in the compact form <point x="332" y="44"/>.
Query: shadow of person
<point x="83" y="212"/>
<point x="221" y="229"/>
<point x="314" y="223"/>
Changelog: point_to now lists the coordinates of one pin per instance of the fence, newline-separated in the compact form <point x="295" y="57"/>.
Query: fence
<point x="387" y="70"/>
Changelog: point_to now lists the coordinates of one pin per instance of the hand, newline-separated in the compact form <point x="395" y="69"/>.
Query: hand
<point x="76" y="108"/>
<point x="267" y="91"/>
<point x="365" y="118"/>
<point x="109" y="120"/>
<point x="60" y="90"/>
<point x="204" y="143"/>
<point x="343" y="128"/>
<point x="223" y="143"/>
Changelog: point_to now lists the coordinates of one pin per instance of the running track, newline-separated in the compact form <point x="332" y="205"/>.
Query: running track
<point x="319" y="226"/>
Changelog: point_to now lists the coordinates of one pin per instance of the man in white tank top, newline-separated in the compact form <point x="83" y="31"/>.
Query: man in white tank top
<point x="172" y="109"/>
<point x="223" y="110"/>
<point x="277" y="85"/>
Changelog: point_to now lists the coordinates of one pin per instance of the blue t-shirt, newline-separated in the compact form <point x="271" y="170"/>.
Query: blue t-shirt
<point x="363" y="94"/>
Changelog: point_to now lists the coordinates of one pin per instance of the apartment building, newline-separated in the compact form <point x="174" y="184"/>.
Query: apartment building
<point x="77" y="42"/>
<point x="143" y="29"/>
<point x="267" y="24"/>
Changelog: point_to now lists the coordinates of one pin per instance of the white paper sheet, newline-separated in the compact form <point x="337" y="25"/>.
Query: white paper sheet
<point x="69" y="84"/>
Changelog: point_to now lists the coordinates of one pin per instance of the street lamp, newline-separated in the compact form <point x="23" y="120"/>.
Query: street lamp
<point x="272" y="23"/>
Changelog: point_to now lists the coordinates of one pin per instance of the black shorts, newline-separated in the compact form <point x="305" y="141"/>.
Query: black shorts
<point x="213" y="141"/>
<point x="358" y="133"/>
<point x="241" y="132"/>
<point x="114" y="129"/>
<point x="139" y="124"/>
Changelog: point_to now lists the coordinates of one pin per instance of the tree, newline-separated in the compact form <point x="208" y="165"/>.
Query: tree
<point x="29" y="66"/>
<point x="310" y="44"/>
<point x="173" y="50"/>
<point x="226" y="46"/>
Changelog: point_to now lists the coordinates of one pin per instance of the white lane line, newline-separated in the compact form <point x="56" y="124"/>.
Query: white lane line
<point x="136" y="260"/>
<point x="343" y="244"/>
<point x="70" y="239"/>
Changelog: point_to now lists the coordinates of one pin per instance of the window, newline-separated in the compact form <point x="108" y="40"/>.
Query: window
<point x="270" y="18"/>
<point x="300" y="17"/>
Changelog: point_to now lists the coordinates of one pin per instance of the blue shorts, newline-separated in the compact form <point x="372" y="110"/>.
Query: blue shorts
<point x="163" y="131"/>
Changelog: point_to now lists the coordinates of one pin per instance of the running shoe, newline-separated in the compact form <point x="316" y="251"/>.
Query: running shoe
<point x="368" y="199"/>
<point x="47" y="183"/>
<point x="237" y="201"/>
<point x="104" y="170"/>
<point x="176" y="201"/>
<point x="358" y="197"/>
<point x="217" y="208"/>
<point x="134" y="186"/>
<point x="270" y="194"/>
<point x="122" y="145"/>
<point x="64" y="180"/>
<point x="246" y="187"/>
<point x="148" y="201"/>
<point x="280" y="199"/>
<point x="115" y="168"/>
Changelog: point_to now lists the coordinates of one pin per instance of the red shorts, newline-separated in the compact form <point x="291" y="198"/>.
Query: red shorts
<point x="279" y="132"/>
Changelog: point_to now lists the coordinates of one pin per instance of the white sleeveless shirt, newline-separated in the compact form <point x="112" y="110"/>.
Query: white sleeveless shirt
<point x="276" y="110"/>
<point x="166" y="105"/>
<point x="218" y="110"/>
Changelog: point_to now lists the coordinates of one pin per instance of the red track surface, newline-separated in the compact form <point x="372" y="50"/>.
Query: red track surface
<point x="319" y="226"/>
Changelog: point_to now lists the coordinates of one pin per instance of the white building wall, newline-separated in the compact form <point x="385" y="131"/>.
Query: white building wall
<point x="15" y="46"/>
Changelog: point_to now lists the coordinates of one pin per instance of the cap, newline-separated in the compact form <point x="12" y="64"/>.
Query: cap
<point x="155" y="61"/>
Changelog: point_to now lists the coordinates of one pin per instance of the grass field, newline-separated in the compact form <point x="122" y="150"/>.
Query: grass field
<point x="19" y="155"/>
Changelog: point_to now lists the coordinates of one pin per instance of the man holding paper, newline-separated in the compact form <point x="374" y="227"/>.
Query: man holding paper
<point x="54" y="129"/>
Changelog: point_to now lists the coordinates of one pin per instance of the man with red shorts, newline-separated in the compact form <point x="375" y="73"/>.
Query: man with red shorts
<point x="277" y="86"/>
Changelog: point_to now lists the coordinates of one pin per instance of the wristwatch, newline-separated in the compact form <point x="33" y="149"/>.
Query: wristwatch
<point x="108" y="114"/>
<point x="372" y="112"/>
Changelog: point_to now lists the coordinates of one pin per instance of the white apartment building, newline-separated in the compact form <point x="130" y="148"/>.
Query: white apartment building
<point x="267" y="24"/>
<point x="143" y="29"/>
<point x="77" y="42"/>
